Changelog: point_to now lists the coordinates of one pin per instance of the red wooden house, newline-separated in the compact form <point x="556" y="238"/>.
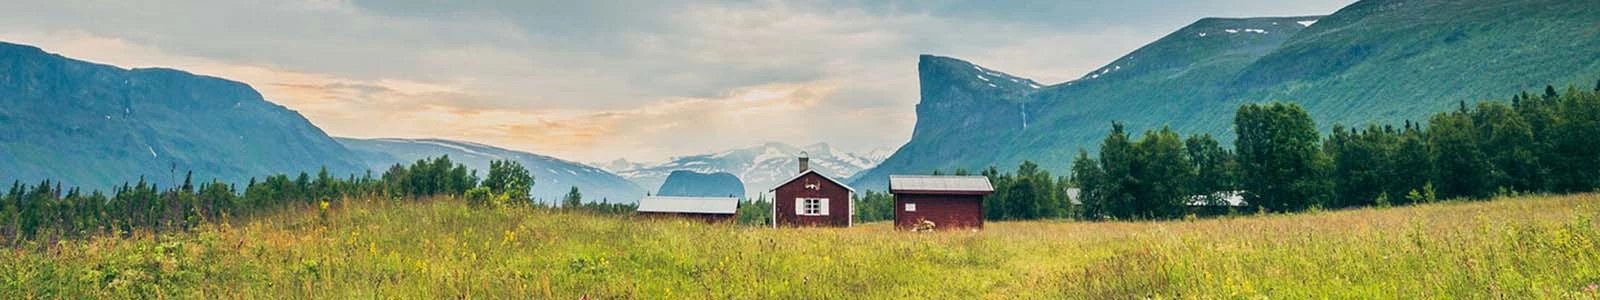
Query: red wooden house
<point x="948" y="201"/>
<point x="812" y="199"/>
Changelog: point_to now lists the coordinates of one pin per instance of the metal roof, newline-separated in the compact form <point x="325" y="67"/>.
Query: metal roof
<point x="698" y="205"/>
<point x="939" y="184"/>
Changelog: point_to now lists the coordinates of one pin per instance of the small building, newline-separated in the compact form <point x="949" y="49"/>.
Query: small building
<point x="811" y="199"/>
<point x="1218" y="199"/>
<point x="947" y="201"/>
<point x="707" y="209"/>
<point x="1216" y="204"/>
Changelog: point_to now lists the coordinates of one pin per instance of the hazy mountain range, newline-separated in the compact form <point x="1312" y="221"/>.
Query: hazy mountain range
<point x="759" y="167"/>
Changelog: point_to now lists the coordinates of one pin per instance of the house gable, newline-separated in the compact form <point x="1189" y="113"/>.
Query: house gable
<point x="812" y="199"/>
<point x="803" y="175"/>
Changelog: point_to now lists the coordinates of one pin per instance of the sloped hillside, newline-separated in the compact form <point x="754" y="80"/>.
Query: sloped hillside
<point x="97" y="126"/>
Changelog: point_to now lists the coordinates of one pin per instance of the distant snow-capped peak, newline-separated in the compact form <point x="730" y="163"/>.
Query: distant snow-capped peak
<point x="759" y="167"/>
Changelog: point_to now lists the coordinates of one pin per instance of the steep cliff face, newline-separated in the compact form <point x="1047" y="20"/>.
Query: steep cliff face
<point x="965" y="108"/>
<point x="97" y="126"/>
<point x="957" y="94"/>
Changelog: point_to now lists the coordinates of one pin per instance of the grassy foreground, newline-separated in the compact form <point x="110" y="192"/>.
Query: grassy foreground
<point x="1540" y="247"/>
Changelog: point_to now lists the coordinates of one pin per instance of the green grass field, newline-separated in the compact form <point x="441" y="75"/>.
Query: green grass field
<point x="1525" y="247"/>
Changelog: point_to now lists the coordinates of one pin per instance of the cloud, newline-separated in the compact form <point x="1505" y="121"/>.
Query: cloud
<point x="596" y="80"/>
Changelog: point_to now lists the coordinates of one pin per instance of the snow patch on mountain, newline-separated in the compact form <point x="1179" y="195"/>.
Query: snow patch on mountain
<point x="451" y="146"/>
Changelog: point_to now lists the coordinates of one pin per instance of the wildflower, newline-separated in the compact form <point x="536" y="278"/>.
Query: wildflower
<point x="324" y="204"/>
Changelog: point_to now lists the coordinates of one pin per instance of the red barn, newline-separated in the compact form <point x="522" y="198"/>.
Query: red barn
<point x="812" y="199"/>
<point x="947" y="201"/>
<point x="707" y="209"/>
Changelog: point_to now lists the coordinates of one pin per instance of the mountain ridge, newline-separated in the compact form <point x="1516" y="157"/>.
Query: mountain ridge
<point x="97" y="126"/>
<point x="1372" y="61"/>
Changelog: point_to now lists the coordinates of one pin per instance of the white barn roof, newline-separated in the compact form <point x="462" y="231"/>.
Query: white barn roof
<point x="696" y="205"/>
<point x="939" y="184"/>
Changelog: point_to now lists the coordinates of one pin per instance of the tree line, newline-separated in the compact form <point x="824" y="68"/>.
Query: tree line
<point x="48" y="211"/>
<point x="1533" y="144"/>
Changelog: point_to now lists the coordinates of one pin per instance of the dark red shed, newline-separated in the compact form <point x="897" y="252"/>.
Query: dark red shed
<point x="812" y="199"/>
<point x="949" y="202"/>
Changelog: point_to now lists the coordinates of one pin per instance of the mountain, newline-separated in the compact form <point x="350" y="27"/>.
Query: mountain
<point x="1373" y="61"/>
<point x="694" y="184"/>
<point x="97" y="126"/>
<point x="552" y="177"/>
<point x="760" y="167"/>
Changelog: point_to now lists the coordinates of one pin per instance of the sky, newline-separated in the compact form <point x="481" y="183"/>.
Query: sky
<point x="601" y="80"/>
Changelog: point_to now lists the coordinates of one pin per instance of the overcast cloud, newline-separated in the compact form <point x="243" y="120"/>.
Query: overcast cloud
<point x="599" y="80"/>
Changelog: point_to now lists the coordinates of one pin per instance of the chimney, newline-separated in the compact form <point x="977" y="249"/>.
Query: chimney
<point x="805" y="162"/>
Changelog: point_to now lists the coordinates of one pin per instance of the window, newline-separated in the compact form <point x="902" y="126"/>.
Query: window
<point x="811" y="206"/>
<point x="911" y="207"/>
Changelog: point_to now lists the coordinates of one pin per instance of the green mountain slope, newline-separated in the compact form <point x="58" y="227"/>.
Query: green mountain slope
<point x="1392" y="60"/>
<point x="1373" y="61"/>
<point x="97" y="126"/>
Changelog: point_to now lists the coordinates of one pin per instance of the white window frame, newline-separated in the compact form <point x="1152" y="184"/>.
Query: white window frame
<point x="811" y="206"/>
<point x="911" y="207"/>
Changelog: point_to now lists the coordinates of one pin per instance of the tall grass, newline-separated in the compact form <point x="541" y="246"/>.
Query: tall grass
<point x="1540" y="247"/>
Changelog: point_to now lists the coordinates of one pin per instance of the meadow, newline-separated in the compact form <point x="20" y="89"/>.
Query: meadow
<point x="1517" y="247"/>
